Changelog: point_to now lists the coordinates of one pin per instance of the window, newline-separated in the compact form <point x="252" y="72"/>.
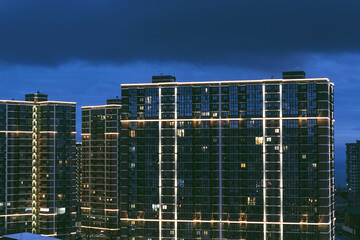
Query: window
<point x="61" y="210"/>
<point x="243" y="165"/>
<point x="251" y="201"/>
<point x="181" y="132"/>
<point x="259" y="140"/>
<point x="155" y="207"/>
<point x="132" y="133"/>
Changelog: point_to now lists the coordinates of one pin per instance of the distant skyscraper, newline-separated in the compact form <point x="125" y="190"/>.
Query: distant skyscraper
<point x="37" y="154"/>
<point x="353" y="167"/>
<point x="227" y="159"/>
<point x="100" y="168"/>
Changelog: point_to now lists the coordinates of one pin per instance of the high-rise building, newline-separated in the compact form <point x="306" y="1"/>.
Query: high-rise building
<point x="78" y="176"/>
<point x="227" y="159"/>
<point x="37" y="154"/>
<point x="353" y="167"/>
<point x="100" y="168"/>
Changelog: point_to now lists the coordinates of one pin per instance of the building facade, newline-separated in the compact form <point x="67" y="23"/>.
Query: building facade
<point x="353" y="167"/>
<point x="37" y="154"/>
<point x="100" y="163"/>
<point x="78" y="181"/>
<point x="227" y="159"/>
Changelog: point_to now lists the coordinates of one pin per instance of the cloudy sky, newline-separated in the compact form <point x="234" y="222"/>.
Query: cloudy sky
<point x="83" y="50"/>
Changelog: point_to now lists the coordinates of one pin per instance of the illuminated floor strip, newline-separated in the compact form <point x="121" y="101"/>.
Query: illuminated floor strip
<point x="219" y="119"/>
<point x="222" y="221"/>
<point x="228" y="82"/>
<point x="100" y="228"/>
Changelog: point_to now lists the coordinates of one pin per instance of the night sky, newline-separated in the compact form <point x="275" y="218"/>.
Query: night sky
<point x="83" y="50"/>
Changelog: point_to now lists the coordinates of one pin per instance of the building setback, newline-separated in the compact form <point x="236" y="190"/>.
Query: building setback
<point x="100" y="163"/>
<point x="37" y="153"/>
<point x="226" y="159"/>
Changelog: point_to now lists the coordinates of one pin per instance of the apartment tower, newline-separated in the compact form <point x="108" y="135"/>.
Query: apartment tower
<point x="225" y="159"/>
<point x="353" y="168"/>
<point x="37" y="153"/>
<point x="100" y="169"/>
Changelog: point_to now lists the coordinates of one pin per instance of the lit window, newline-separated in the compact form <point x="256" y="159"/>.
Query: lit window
<point x="60" y="210"/>
<point x="155" y="207"/>
<point x="303" y="157"/>
<point x="172" y="232"/>
<point x="277" y="130"/>
<point x="164" y="207"/>
<point x="268" y="139"/>
<point x="251" y="201"/>
<point x="243" y="165"/>
<point x="314" y="165"/>
<point x="277" y="148"/>
<point x="132" y="206"/>
<point x="181" y="132"/>
<point x="132" y="133"/>
<point x="259" y="140"/>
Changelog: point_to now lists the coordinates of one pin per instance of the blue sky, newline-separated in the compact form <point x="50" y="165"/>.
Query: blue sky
<point x="83" y="50"/>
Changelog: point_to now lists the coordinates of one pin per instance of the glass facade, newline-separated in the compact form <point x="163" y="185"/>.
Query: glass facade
<point x="353" y="168"/>
<point x="100" y="175"/>
<point x="37" y="154"/>
<point x="227" y="160"/>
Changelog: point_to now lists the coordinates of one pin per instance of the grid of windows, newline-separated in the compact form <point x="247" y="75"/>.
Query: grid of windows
<point x="100" y="169"/>
<point x="235" y="160"/>
<point x="37" y="155"/>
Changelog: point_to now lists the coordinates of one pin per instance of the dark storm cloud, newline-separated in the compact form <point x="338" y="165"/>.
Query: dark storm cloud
<point x="43" y="32"/>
